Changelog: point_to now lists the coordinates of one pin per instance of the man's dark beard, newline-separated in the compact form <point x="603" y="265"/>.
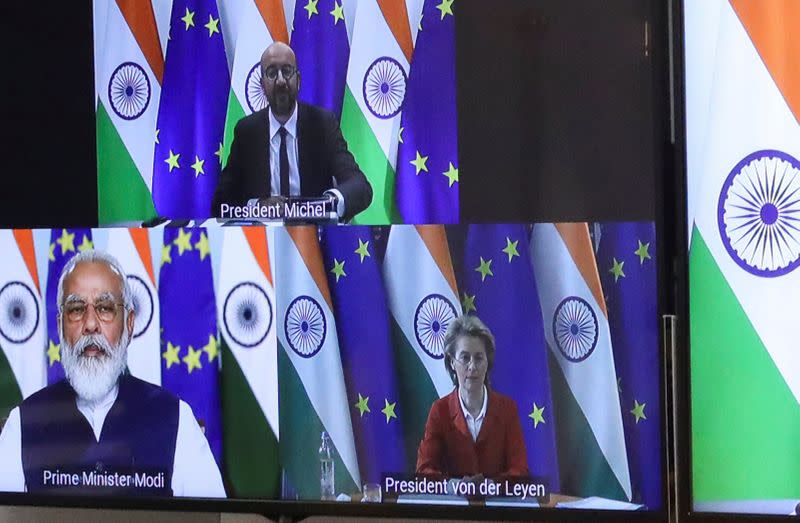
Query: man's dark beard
<point x="282" y="102"/>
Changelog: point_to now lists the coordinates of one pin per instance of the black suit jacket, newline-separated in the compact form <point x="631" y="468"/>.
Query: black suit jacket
<point x="322" y="158"/>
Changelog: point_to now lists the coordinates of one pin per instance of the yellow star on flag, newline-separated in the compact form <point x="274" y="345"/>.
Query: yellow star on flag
<point x="203" y="246"/>
<point x="338" y="269"/>
<point x="468" y="303"/>
<point x="220" y="152"/>
<point x="419" y="24"/>
<point x="511" y="249"/>
<point x="638" y="411"/>
<point x="211" y="349"/>
<point x="183" y="241"/>
<point x="86" y="244"/>
<point x="452" y="174"/>
<point x="362" y="405"/>
<point x="642" y="252"/>
<point x="188" y="19"/>
<point x="485" y="268"/>
<point x="419" y="163"/>
<point x="337" y="13"/>
<point x="198" y="166"/>
<point x="311" y="7"/>
<point x="537" y="415"/>
<point x="52" y="254"/>
<point x="446" y="7"/>
<point x="53" y="353"/>
<point x="166" y="256"/>
<point x="172" y="161"/>
<point x="388" y="410"/>
<point x="192" y="359"/>
<point x="171" y="355"/>
<point x="616" y="270"/>
<point x="157" y="133"/>
<point x="363" y="249"/>
<point x="67" y="241"/>
<point x="400" y="134"/>
<point x="212" y="26"/>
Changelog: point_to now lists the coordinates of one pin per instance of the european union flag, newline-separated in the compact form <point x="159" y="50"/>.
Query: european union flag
<point x="362" y="323"/>
<point x="501" y="290"/>
<point x="626" y="259"/>
<point x="320" y="44"/>
<point x="190" y="360"/>
<point x="191" y="114"/>
<point x="427" y="156"/>
<point x="64" y="244"/>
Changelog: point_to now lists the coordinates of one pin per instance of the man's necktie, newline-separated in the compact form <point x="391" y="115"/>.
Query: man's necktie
<point x="284" y="159"/>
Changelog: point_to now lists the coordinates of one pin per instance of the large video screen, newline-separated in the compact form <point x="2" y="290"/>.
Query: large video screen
<point x="743" y="145"/>
<point x="515" y="365"/>
<point x="331" y="252"/>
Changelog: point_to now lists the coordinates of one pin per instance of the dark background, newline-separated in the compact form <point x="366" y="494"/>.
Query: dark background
<point x="563" y="109"/>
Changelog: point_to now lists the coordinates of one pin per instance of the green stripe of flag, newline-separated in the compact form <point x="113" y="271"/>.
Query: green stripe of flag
<point x="416" y="390"/>
<point x="370" y="158"/>
<point x="299" y="448"/>
<point x="10" y="395"/>
<point x="122" y="195"/>
<point x="745" y="419"/>
<point x="251" y="448"/>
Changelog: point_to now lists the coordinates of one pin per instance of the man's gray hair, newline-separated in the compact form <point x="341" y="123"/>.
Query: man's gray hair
<point x="463" y="327"/>
<point x="96" y="256"/>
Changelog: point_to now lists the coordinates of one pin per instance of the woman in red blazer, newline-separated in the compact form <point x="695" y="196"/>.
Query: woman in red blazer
<point x="473" y="432"/>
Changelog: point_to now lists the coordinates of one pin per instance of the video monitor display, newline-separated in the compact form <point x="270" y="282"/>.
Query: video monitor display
<point x="396" y="333"/>
<point x="743" y="145"/>
<point x="508" y="365"/>
<point x="192" y="98"/>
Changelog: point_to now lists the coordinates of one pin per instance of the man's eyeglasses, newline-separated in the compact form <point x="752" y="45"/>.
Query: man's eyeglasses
<point x="465" y="358"/>
<point x="106" y="310"/>
<point x="287" y="71"/>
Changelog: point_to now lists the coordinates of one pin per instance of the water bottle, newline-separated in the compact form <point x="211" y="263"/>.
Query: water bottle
<point x="326" y="487"/>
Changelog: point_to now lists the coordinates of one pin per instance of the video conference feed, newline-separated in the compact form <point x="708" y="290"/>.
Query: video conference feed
<point x="743" y="146"/>
<point x="509" y="365"/>
<point x="381" y="113"/>
<point x="192" y="94"/>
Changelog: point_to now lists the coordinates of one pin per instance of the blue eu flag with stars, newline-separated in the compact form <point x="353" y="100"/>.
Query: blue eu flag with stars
<point x="191" y="113"/>
<point x="190" y="362"/>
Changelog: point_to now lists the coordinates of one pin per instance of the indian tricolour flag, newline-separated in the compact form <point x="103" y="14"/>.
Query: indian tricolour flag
<point x="129" y="74"/>
<point x="591" y="442"/>
<point x="377" y="73"/>
<point x="745" y="251"/>
<point x="312" y="393"/>
<point x="131" y="247"/>
<point x="256" y="23"/>
<point x="423" y="300"/>
<point x="22" y="321"/>
<point x="247" y="320"/>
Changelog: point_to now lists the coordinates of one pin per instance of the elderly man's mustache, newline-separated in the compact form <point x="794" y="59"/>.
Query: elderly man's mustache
<point x="93" y="340"/>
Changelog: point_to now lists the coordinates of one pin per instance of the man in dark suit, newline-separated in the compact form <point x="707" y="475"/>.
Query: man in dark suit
<point x="290" y="148"/>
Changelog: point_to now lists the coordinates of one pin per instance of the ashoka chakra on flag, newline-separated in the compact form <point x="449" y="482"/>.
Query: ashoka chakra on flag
<point x="431" y="319"/>
<point x="575" y="328"/>
<point x="305" y="326"/>
<point x="19" y="312"/>
<point x="256" y="99"/>
<point x="385" y="87"/>
<point x="142" y="305"/>
<point x="758" y="211"/>
<point x="247" y="314"/>
<point x="129" y="90"/>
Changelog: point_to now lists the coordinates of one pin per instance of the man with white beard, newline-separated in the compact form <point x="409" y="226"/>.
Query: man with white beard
<point x="101" y="430"/>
